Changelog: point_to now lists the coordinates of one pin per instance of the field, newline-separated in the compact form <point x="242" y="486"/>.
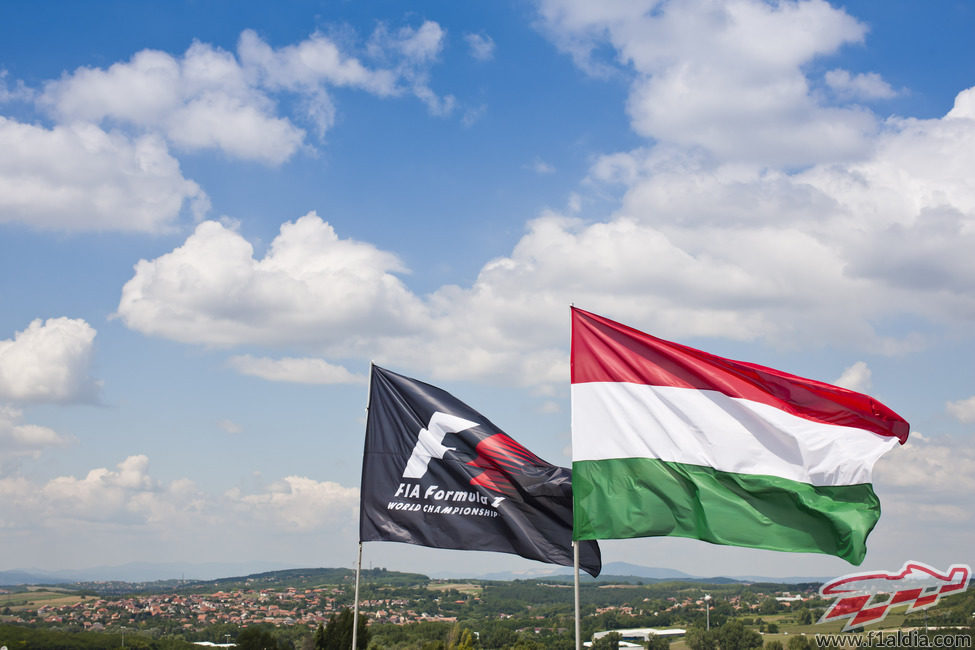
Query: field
<point x="38" y="598"/>
<point x="463" y="587"/>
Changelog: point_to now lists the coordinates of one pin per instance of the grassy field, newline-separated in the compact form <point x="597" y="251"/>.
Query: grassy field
<point x="38" y="598"/>
<point x="462" y="587"/>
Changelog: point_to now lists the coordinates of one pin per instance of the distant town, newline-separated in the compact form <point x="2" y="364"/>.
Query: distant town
<point x="400" y="609"/>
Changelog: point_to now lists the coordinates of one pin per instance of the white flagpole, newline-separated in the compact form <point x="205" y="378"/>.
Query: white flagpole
<point x="355" y="608"/>
<point x="575" y="543"/>
<point x="575" y="562"/>
<point x="358" y="563"/>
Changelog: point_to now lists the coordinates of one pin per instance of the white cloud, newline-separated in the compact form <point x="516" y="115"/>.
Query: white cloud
<point x="701" y="248"/>
<point x="19" y="439"/>
<point x="420" y="45"/>
<point x="308" y="68"/>
<point x="963" y="410"/>
<point x="203" y="100"/>
<point x="20" y="91"/>
<point x="310" y="288"/>
<point x="416" y="49"/>
<point x="697" y="248"/>
<point x="706" y="241"/>
<point x="290" y="369"/>
<point x="856" y="377"/>
<point x="473" y="114"/>
<point x="128" y="497"/>
<point x="80" y="177"/>
<point x="550" y="407"/>
<point x="213" y="99"/>
<point x="48" y="362"/>
<point x="724" y="76"/>
<point x="861" y="86"/>
<point x="299" y="503"/>
<point x="481" y="46"/>
<point x="925" y="468"/>
<point x="964" y="107"/>
<point x="311" y="62"/>
<point x="539" y="166"/>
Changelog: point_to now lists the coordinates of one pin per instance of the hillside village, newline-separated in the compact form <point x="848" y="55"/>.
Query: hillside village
<point x="420" y="601"/>
<point x="399" y="607"/>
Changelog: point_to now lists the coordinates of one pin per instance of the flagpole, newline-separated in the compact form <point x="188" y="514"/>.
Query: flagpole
<point x="575" y="542"/>
<point x="355" y="608"/>
<point x="358" y="563"/>
<point x="575" y="562"/>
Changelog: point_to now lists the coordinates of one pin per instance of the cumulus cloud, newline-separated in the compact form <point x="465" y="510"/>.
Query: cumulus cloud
<point x="927" y="467"/>
<point x="963" y="410"/>
<point x="964" y="107"/>
<point x="296" y="370"/>
<point x="860" y="86"/>
<point x="696" y="248"/>
<point x="859" y="239"/>
<point x="128" y="497"/>
<point x="856" y="377"/>
<point x="925" y="489"/>
<point x="299" y="503"/>
<point x="106" y="164"/>
<point x="20" y="92"/>
<point x="19" y="439"/>
<point x="705" y="242"/>
<point x="418" y="45"/>
<point x="308" y="68"/>
<point x="202" y="100"/>
<point x="48" y="362"/>
<point x="727" y="77"/>
<point x="79" y="177"/>
<point x="210" y="98"/>
<point x="312" y="62"/>
<point x="415" y="49"/>
<point x="103" y="494"/>
<point x="310" y="287"/>
<point x="481" y="46"/>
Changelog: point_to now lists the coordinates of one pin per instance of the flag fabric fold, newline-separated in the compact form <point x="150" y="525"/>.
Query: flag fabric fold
<point x="437" y="473"/>
<point x="670" y="440"/>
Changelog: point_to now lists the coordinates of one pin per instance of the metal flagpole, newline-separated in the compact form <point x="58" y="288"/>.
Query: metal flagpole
<point x="355" y="608"/>
<point x="575" y="562"/>
<point x="575" y="543"/>
<point x="358" y="563"/>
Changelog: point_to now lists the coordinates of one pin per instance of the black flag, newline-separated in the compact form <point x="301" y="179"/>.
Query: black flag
<point x="435" y="472"/>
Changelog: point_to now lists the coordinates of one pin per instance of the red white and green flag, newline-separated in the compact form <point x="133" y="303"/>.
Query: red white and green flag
<point x="670" y="440"/>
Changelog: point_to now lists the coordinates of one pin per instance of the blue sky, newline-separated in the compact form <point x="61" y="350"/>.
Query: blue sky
<point x="214" y="215"/>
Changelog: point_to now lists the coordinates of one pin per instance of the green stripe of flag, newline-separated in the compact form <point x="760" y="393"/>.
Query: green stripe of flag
<point x="645" y="497"/>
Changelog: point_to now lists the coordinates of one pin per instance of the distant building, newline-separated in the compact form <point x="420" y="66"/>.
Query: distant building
<point x="635" y="637"/>
<point x="788" y="598"/>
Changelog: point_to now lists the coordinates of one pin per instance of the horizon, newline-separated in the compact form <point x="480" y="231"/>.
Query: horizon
<point x="154" y="572"/>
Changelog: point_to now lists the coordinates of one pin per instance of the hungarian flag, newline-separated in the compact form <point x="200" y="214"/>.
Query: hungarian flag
<point x="669" y="440"/>
<point x="435" y="472"/>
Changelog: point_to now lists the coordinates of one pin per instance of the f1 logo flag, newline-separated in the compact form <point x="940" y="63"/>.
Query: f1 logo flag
<point x="437" y="473"/>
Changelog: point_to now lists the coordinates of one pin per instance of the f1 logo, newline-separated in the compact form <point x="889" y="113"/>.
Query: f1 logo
<point x="429" y="442"/>
<point x="916" y="585"/>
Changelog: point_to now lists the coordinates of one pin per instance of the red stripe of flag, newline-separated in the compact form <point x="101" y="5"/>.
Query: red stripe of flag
<point x="606" y="351"/>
